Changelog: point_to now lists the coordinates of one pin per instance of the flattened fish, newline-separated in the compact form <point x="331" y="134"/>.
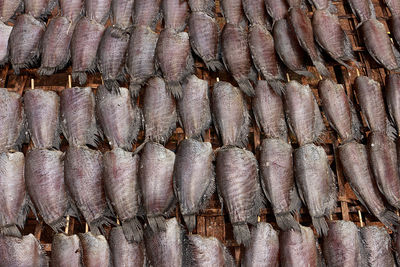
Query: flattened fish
<point x="378" y="246"/>
<point x="354" y="159"/>
<point x="147" y="13"/>
<point x="119" y="117"/>
<point x="237" y="58"/>
<point x="39" y="8"/>
<point x="264" y="247"/>
<point x="206" y="6"/>
<point x="379" y="45"/>
<point x="155" y="179"/>
<point x="95" y="250"/>
<point x="194" y="107"/>
<point x="194" y="178"/>
<point x="174" y="57"/>
<point x="238" y="185"/>
<point x="277" y="181"/>
<point x="111" y="57"/>
<point x="165" y="249"/>
<point x="324" y="5"/>
<point x="204" y="34"/>
<point x="233" y="12"/>
<point x="25" y="251"/>
<point x="13" y="198"/>
<point x="394" y="6"/>
<point x="316" y="184"/>
<point x="363" y="9"/>
<point x="207" y="251"/>
<point x="71" y="9"/>
<point x="175" y="14"/>
<point x="24" y="42"/>
<point x="8" y="8"/>
<point x="98" y="10"/>
<point x="302" y="112"/>
<point x="392" y="92"/>
<point x="124" y="253"/>
<point x="159" y="111"/>
<point x="396" y="240"/>
<point x="66" y="251"/>
<point x="5" y="32"/>
<point x="122" y="13"/>
<point x="277" y="9"/>
<point x="394" y="23"/>
<point x="343" y="246"/>
<point x="256" y="12"/>
<point x="122" y="189"/>
<point x="42" y="110"/>
<point x="55" y="46"/>
<point x="85" y="41"/>
<point x="230" y="115"/>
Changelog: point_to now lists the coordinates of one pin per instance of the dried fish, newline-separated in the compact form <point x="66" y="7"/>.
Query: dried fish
<point x="39" y="8"/>
<point x="98" y="10"/>
<point x="8" y="8"/>
<point x="71" y="9"/>
<point x="256" y="12"/>
<point x="233" y="12"/>
<point x="206" y="6"/>
<point x="394" y="23"/>
<point x="392" y="92"/>
<point x="277" y="9"/>
<point x="5" y="32"/>
<point x="363" y="9"/>
<point x="324" y="5"/>
<point x="394" y="6"/>
<point x="95" y="250"/>
<point x="122" y="13"/>
<point x="175" y="14"/>
<point x="66" y="251"/>
<point x="147" y="13"/>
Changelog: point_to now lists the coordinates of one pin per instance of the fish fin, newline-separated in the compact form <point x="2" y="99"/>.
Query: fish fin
<point x="359" y="198"/>
<point x="348" y="50"/>
<point x="246" y="87"/>
<point x="391" y="130"/>
<point x="209" y="190"/>
<point x="46" y="71"/>
<point x="320" y="66"/>
<point x="244" y="130"/>
<point x="175" y="88"/>
<point x="287" y="222"/>
<point x="81" y="76"/>
<point x="305" y="73"/>
<point x="321" y="226"/>
<point x="10" y="230"/>
<point x="264" y="188"/>
<point x="355" y="122"/>
<point x="134" y="88"/>
<point x="31" y="206"/>
<point x="133" y="230"/>
<point x="22" y="215"/>
<point x="190" y="221"/>
<point x="257" y="119"/>
<point x="214" y="65"/>
<point x="295" y="201"/>
<point x="58" y="224"/>
<point x="277" y="86"/>
<point x="242" y="234"/>
<point x="112" y="86"/>
<point x="332" y="8"/>
<point x="389" y="219"/>
<point x="157" y="223"/>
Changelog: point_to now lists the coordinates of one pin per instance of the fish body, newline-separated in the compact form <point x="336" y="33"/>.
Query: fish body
<point x="5" y="32"/>
<point x="324" y="4"/>
<point x="122" y="13"/>
<point x="175" y="14"/>
<point x="39" y="8"/>
<point x="277" y="9"/>
<point x="72" y="9"/>
<point x="147" y="12"/>
<point x="124" y="253"/>
<point x="98" y="10"/>
<point x="394" y="6"/>
<point x="394" y="23"/>
<point x="206" y="6"/>
<point x="378" y="246"/>
<point x="66" y="251"/>
<point x="256" y="12"/>
<point x="95" y="250"/>
<point x="8" y="8"/>
<point x="363" y="9"/>
<point x="233" y="12"/>
<point x="392" y="92"/>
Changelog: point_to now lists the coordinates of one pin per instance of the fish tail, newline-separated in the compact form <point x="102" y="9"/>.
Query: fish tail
<point x="242" y="234"/>
<point x="190" y="221"/>
<point x="389" y="218"/>
<point x="156" y="223"/>
<point x="133" y="230"/>
<point x="134" y="88"/>
<point x="214" y="65"/>
<point x="80" y="76"/>
<point x="277" y="86"/>
<point x="246" y="87"/>
<point x="57" y="225"/>
<point x="11" y="230"/>
<point x="287" y="222"/>
<point x="320" y="225"/>
<point x="175" y="88"/>
<point x="320" y="65"/>
<point x="305" y="73"/>
<point x="112" y="86"/>
<point x="46" y="71"/>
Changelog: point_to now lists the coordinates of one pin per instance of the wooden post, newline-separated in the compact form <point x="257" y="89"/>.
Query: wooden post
<point x="67" y="225"/>
<point x="360" y="217"/>
<point x="86" y="228"/>
<point x="32" y="84"/>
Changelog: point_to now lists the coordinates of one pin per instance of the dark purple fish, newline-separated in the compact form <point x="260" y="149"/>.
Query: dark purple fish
<point x="55" y="45"/>
<point x="378" y="246"/>
<point x="207" y="251"/>
<point x="83" y="176"/>
<point x="233" y="12"/>
<point x="302" y="112"/>
<point x="165" y="249"/>
<point x="85" y="41"/>
<point x="18" y="252"/>
<point x="237" y="58"/>
<point x="194" y="107"/>
<point x="95" y="250"/>
<point x="5" y="32"/>
<point x="121" y="183"/>
<point x="8" y="8"/>
<point x="155" y="179"/>
<point x="343" y="246"/>
<point x="124" y="253"/>
<point x="206" y="6"/>
<point x="204" y="34"/>
<point x="146" y="13"/>
<point x="392" y="92"/>
<point x="175" y="14"/>
<point x="174" y="57"/>
<point x="354" y="159"/>
<point x="277" y="9"/>
<point x="71" y="9"/>
<point x="394" y="6"/>
<point x="264" y="247"/>
<point x="194" y="178"/>
<point x="230" y="114"/>
<point x="119" y="117"/>
<point x="277" y="181"/>
<point x="141" y="57"/>
<point x="238" y="185"/>
<point x="122" y="13"/>
<point x="39" y="8"/>
<point x="305" y="36"/>
<point x="24" y="42"/>
<point x="363" y="9"/>
<point x="256" y="12"/>
<point x="262" y="50"/>
<point x="66" y="251"/>
<point x="159" y="111"/>
<point x="98" y="10"/>
<point x="111" y="57"/>
<point x="42" y="110"/>
<point x="13" y="198"/>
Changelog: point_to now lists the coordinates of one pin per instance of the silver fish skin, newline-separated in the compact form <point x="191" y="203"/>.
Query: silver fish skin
<point x="363" y="9"/>
<point x="121" y="183"/>
<point x="207" y="251"/>
<point x="392" y="93"/>
<point x="394" y="6"/>
<point x="42" y="109"/>
<point x="39" y="8"/>
<point x="256" y="12"/>
<point x="354" y="159"/>
<point x="141" y="57"/>
<point x="237" y="58"/>
<point x="379" y="45"/>
<point x="122" y="13"/>
<point x="78" y="121"/>
<point x="124" y="253"/>
<point x="305" y="35"/>
<point x="86" y="184"/>
<point x="159" y="111"/>
<point x="111" y="57"/>
<point x="378" y="246"/>
<point x="18" y="252"/>
<point x="203" y="35"/>
<point x="98" y="10"/>
<point x="194" y="107"/>
<point x="55" y="48"/>
<point x="194" y="178"/>
<point x="343" y="246"/>
<point x="175" y="14"/>
<point x="156" y="183"/>
<point x="233" y="12"/>
<point x="146" y="13"/>
<point x="72" y="9"/>
<point x="316" y="184"/>
<point x="25" y="41"/>
<point x="5" y="32"/>
<point x="95" y="250"/>
<point x="66" y="251"/>
<point x="174" y="58"/>
<point x="85" y="41"/>
<point x="165" y="248"/>
<point x="394" y="22"/>
<point x="13" y="198"/>
<point x="12" y="123"/>
<point x="369" y="95"/>
<point x="277" y="9"/>
<point x="264" y="247"/>
<point x="206" y="6"/>
<point x="277" y="181"/>
<point x="230" y="114"/>
<point x="238" y="185"/>
<point x="302" y="113"/>
<point x="119" y="117"/>
<point x="8" y="8"/>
